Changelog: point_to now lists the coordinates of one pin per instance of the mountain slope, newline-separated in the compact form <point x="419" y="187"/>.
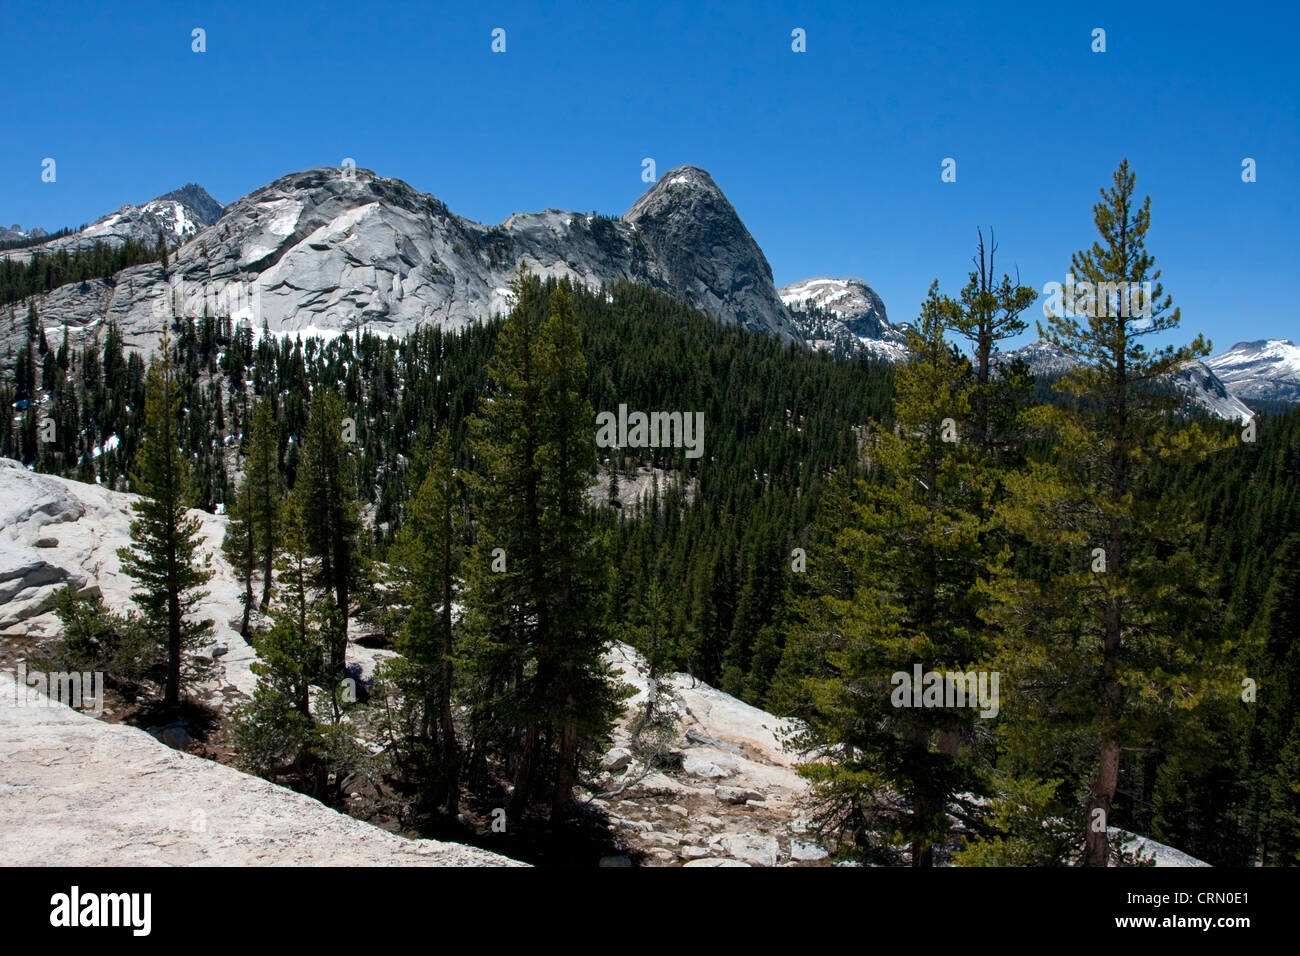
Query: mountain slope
<point x="327" y="250"/>
<point x="1196" y="381"/>
<point x="178" y="215"/>
<point x="845" y="314"/>
<point x="1266" y="370"/>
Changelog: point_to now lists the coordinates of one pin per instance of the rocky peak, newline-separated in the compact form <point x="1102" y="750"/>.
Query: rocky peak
<point x="702" y="247"/>
<point x="844" y="314"/>
<point x="205" y="210"/>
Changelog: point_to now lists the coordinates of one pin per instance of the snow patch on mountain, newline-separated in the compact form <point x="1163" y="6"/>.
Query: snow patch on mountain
<point x="844" y="315"/>
<point x="1263" y="370"/>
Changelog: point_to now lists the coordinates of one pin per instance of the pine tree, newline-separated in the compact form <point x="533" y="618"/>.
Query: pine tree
<point x="424" y="562"/>
<point x="543" y="694"/>
<point x="1276" y="741"/>
<point x="240" y="547"/>
<point x="989" y="313"/>
<point x="165" y="540"/>
<point x="1102" y="616"/>
<point x="571" y="673"/>
<point x="277" y="732"/>
<point x="327" y="498"/>
<point x="266" y="489"/>
<point x="894" y="591"/>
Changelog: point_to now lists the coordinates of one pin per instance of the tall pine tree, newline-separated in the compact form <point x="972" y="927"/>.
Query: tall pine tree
<point x="166" y="543"/>
<point x="1103" y="614"/>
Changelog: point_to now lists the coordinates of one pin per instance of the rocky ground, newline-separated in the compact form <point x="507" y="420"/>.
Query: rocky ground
<point x="79" y="791"/>
<point x="728" y="794"/>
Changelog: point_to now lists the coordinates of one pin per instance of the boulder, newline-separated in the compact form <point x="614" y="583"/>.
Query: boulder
<point x="620" y="758"/>
<point x="700" y="767"/>
<point x="755" y="848"/>
<point x="736" y="795"/>
<point x="799" y="850"/>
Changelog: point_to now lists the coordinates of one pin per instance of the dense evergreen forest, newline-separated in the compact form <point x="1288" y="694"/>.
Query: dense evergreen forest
<point x="846" y="520"/>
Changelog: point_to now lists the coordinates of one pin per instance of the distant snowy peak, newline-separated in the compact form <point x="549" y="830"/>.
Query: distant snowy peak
<point x="1265" y="370"/>
<point x="178" y="215"/>
<point x="202" y="208"/>
<point x="1044" y="359"/>
<point x="844" y="314"/>
<point x="848" y="299"/>
<point x="1195" y="381"/>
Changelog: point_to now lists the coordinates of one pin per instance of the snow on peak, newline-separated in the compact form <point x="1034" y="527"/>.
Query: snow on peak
<point x="1263" y="370"/>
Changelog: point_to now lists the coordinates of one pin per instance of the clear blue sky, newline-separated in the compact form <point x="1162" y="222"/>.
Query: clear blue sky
<point x="832" y="157"/>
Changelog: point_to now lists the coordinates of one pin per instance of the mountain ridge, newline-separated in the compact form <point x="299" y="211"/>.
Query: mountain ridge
<point x="326" y="250"/>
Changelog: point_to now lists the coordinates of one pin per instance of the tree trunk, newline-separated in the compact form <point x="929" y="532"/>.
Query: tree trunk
<point x="524" y="774"/>
<point x="172" y="694"/>
<point x="266" y="578"/>
<point x="248" y="604"/>
<point x="567" y="775"/>
<point x="1102" y="795"/>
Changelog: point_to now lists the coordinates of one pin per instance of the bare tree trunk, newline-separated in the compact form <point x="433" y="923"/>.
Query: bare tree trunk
<point x="172" y="693"/>
<point x="567" y="775"/>
<point x="266" y="579"/>
<point x="1097" y="842"/>
<point x="524" y="774"/>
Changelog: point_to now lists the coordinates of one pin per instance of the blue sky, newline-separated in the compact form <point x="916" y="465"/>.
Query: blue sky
<point x="832" y="157"/>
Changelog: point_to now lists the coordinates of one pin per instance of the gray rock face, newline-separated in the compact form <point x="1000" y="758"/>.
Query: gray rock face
<point x="758" y="849"/>
<point x="702" y="249"/>
<point x="329" y="250"/>
<point x="86" y="792"/>
<point x="1267" y="370"/>
<point x="845" y="314"/>
<point x="31" y="571"/>
<point x="15" y="232"/>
